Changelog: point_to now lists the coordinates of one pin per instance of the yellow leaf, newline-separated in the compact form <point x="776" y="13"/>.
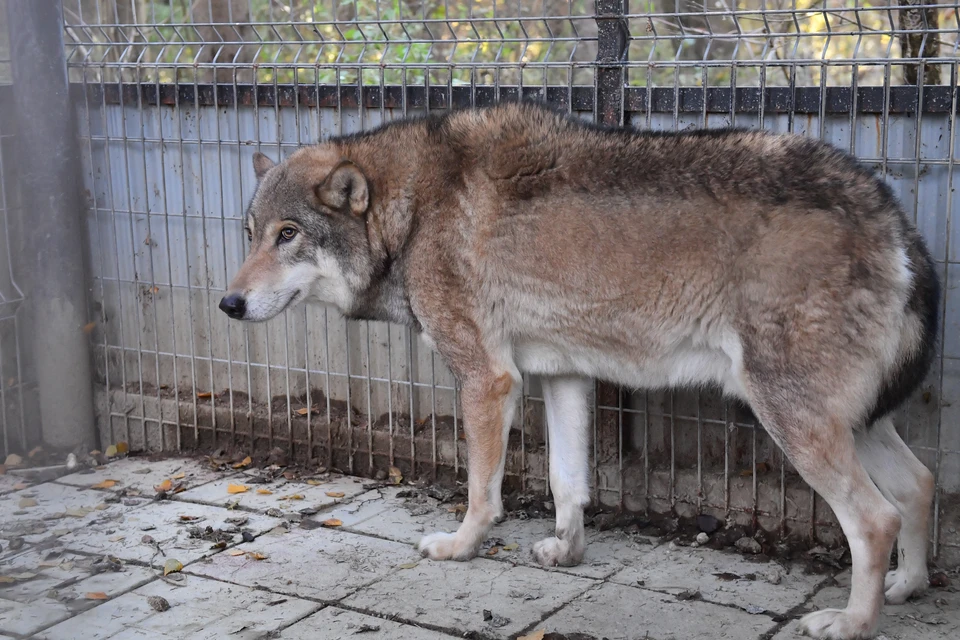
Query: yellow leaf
<point x="236" y="488"/>
<point x="180" y="476"/>
<point x="513" y="546"/>
<point x="166" y="485"/>
<point x="89" y="327"/>
<point x="256" y="555"/>
<point x="302" y="412"/>
<point x="395" y="475"/>
<point x="243" y="463"/>
<point x="106" y="484"/>
<point x="332" y="522"/>
<point x="335" y="494"/>
<point x="7" y="580"/>
<point x="409" y="565"/>
<point x="296" y="496"/>
<point x="27" y="502"/>
<point x="172" y="566"/>
<point x="237" y="552"/>
<point x="189" y="518"/>
<point x="313" y="482"/>
<point x="96" y="595"/>
<point x="534" y="635"/>
<point x="112" y="451"/>
<point x="264" y="492"/>
<point x="122" y="447"/>
<point x="204" y="394"/>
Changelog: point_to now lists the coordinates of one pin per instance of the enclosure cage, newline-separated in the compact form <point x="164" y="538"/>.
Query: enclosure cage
<point x="171" y="99"/>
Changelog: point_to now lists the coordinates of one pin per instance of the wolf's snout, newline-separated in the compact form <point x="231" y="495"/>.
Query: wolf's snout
<point x="234" y="306"/>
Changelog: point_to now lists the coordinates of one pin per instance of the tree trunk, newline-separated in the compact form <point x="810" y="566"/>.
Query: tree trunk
<point x="922" y="43"/>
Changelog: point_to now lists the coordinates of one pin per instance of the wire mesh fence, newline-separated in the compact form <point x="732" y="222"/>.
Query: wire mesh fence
<point x="174" y="97"/>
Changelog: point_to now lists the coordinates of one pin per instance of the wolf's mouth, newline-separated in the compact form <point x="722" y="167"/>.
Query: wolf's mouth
<point x="290" y="301"/>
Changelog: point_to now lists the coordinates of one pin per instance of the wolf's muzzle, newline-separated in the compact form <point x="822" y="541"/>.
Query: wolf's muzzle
<point x="234" y="306"/>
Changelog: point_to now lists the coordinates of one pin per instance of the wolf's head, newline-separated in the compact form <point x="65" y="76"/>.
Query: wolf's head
<point x="307" y="229"/>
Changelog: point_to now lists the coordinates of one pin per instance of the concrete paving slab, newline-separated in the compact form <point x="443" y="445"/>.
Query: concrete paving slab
<point x="333" y="623"/>
<point x="142" y="474"/>
<point x="170" y="524"/>
<point x="203" y="609"/>
<point x="282" y="493"/>
<point x="935" y="615"/>
<point x="50" y="586"/>
<point x="50" y="510"/>
<point x="618" y="612"/>
<point x="387" y="513"/>
<point x="723" y="578"/>
<point x="456" y="595"/>
<point x="322" y="563"/>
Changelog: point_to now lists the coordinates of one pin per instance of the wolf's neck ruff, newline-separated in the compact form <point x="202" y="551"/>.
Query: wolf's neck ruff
<point x="522" y="240"/>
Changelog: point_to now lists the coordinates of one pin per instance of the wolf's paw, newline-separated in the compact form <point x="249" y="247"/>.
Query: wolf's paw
<point x="446" y="546"/>
<point x="837" y="624"/>
<point x="554" y="552"/>
<point x="899" y="585"/>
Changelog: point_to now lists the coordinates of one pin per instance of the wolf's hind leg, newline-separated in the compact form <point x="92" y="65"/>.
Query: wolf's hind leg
<point x="908" y="485"/>
<point x="565" y="402"/>
<point x="821" y="447"/>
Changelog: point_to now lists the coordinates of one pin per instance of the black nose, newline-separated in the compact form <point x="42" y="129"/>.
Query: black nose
<point x="234" y="306"/>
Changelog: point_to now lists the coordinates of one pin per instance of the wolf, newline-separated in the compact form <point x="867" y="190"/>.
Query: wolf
<point x="517" y="239"/>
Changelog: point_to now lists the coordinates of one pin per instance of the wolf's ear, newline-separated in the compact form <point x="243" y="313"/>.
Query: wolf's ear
<point x="262" y="164"/>
<point x="345" y="189"/>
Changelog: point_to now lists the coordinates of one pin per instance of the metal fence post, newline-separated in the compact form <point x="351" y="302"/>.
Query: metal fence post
<point x="51" y="228"/>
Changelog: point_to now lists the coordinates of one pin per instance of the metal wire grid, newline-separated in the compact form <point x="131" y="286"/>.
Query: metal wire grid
<point x="640" y="456"/>
<point x="12" y="424"/>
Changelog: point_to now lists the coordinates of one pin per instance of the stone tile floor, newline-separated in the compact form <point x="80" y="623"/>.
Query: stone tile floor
<point x="82" y="557"/>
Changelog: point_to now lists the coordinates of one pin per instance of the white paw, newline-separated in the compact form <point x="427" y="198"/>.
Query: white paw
<point x="899" y="585"/>
<point x="446" y="546"/>
<point x="836" y="624"/>
<point x="553" y="552"/>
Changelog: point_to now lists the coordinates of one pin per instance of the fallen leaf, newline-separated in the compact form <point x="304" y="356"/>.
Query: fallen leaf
<point x="409" y="565"/>
<point x="264" y="492"/>
<point x="166" y="485"/>
<point x="332" y="522"/>
<point x="395" y="475"/>
<point x="112" y="451"/>
<point x="236" y="488"/>
<point x="303" y="411"/>
<point x="96" y="595"/>
<point x="13" y="460"/>
<point x="189" y="518"/>
<point x="77" y="512"/>
<point x="237" y="552"/>
<point x="513" y="546"/>
<point x="180" y="476"/>
<point x="534" y="635"/>
<point x="122" y="447"/>
<point x="256" y="555"/>
<point x="27" y="502"/>
<point x="106" y="484"/>
<point x="116" y="538"/>
<point x="457" y="508"/>
<point x="205" y="394"/>
<point x="89" y="327"/>
<point x="26" y="575"/>
<point x="243" y="463"/>
<point x="296" y="496"/>
<point x="158" y="604"/>
<point x="172" y="566"/>
<point x="20" y="486"/>
<point x="219" y="545"/>
<point x="33" y="452"/>
<point x="7" y="580"/>
<point x="313" y="483"/>
<point x="335" y="494"/>
<point x="493" y="551"/>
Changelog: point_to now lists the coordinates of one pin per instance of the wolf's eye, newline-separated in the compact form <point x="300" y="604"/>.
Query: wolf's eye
<point x="249" y="235"/>
<point x="287" y="234"/>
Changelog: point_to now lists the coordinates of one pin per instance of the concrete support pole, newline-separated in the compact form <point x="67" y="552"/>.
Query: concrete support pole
<point x="51" y="230"/>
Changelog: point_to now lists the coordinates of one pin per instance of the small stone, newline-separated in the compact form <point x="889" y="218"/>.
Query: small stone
<point x="754" y="609"/>
<point x="71" y="462"/>
<point x="702" y="538"/>
<point x="774" y="576"/>
<point x="274" y="513"/>
<point x="939" y="580"/>
<point x="15" y="543"/>
<point x="246" y="535"/>
<point x="381" y="475"/>
<point x="748" y="545"/>
<point x="158" y="604"/>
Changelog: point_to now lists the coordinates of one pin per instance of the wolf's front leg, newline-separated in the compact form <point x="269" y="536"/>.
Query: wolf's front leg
<point x="488" y="400"/>
<point x="565" y="401"/>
